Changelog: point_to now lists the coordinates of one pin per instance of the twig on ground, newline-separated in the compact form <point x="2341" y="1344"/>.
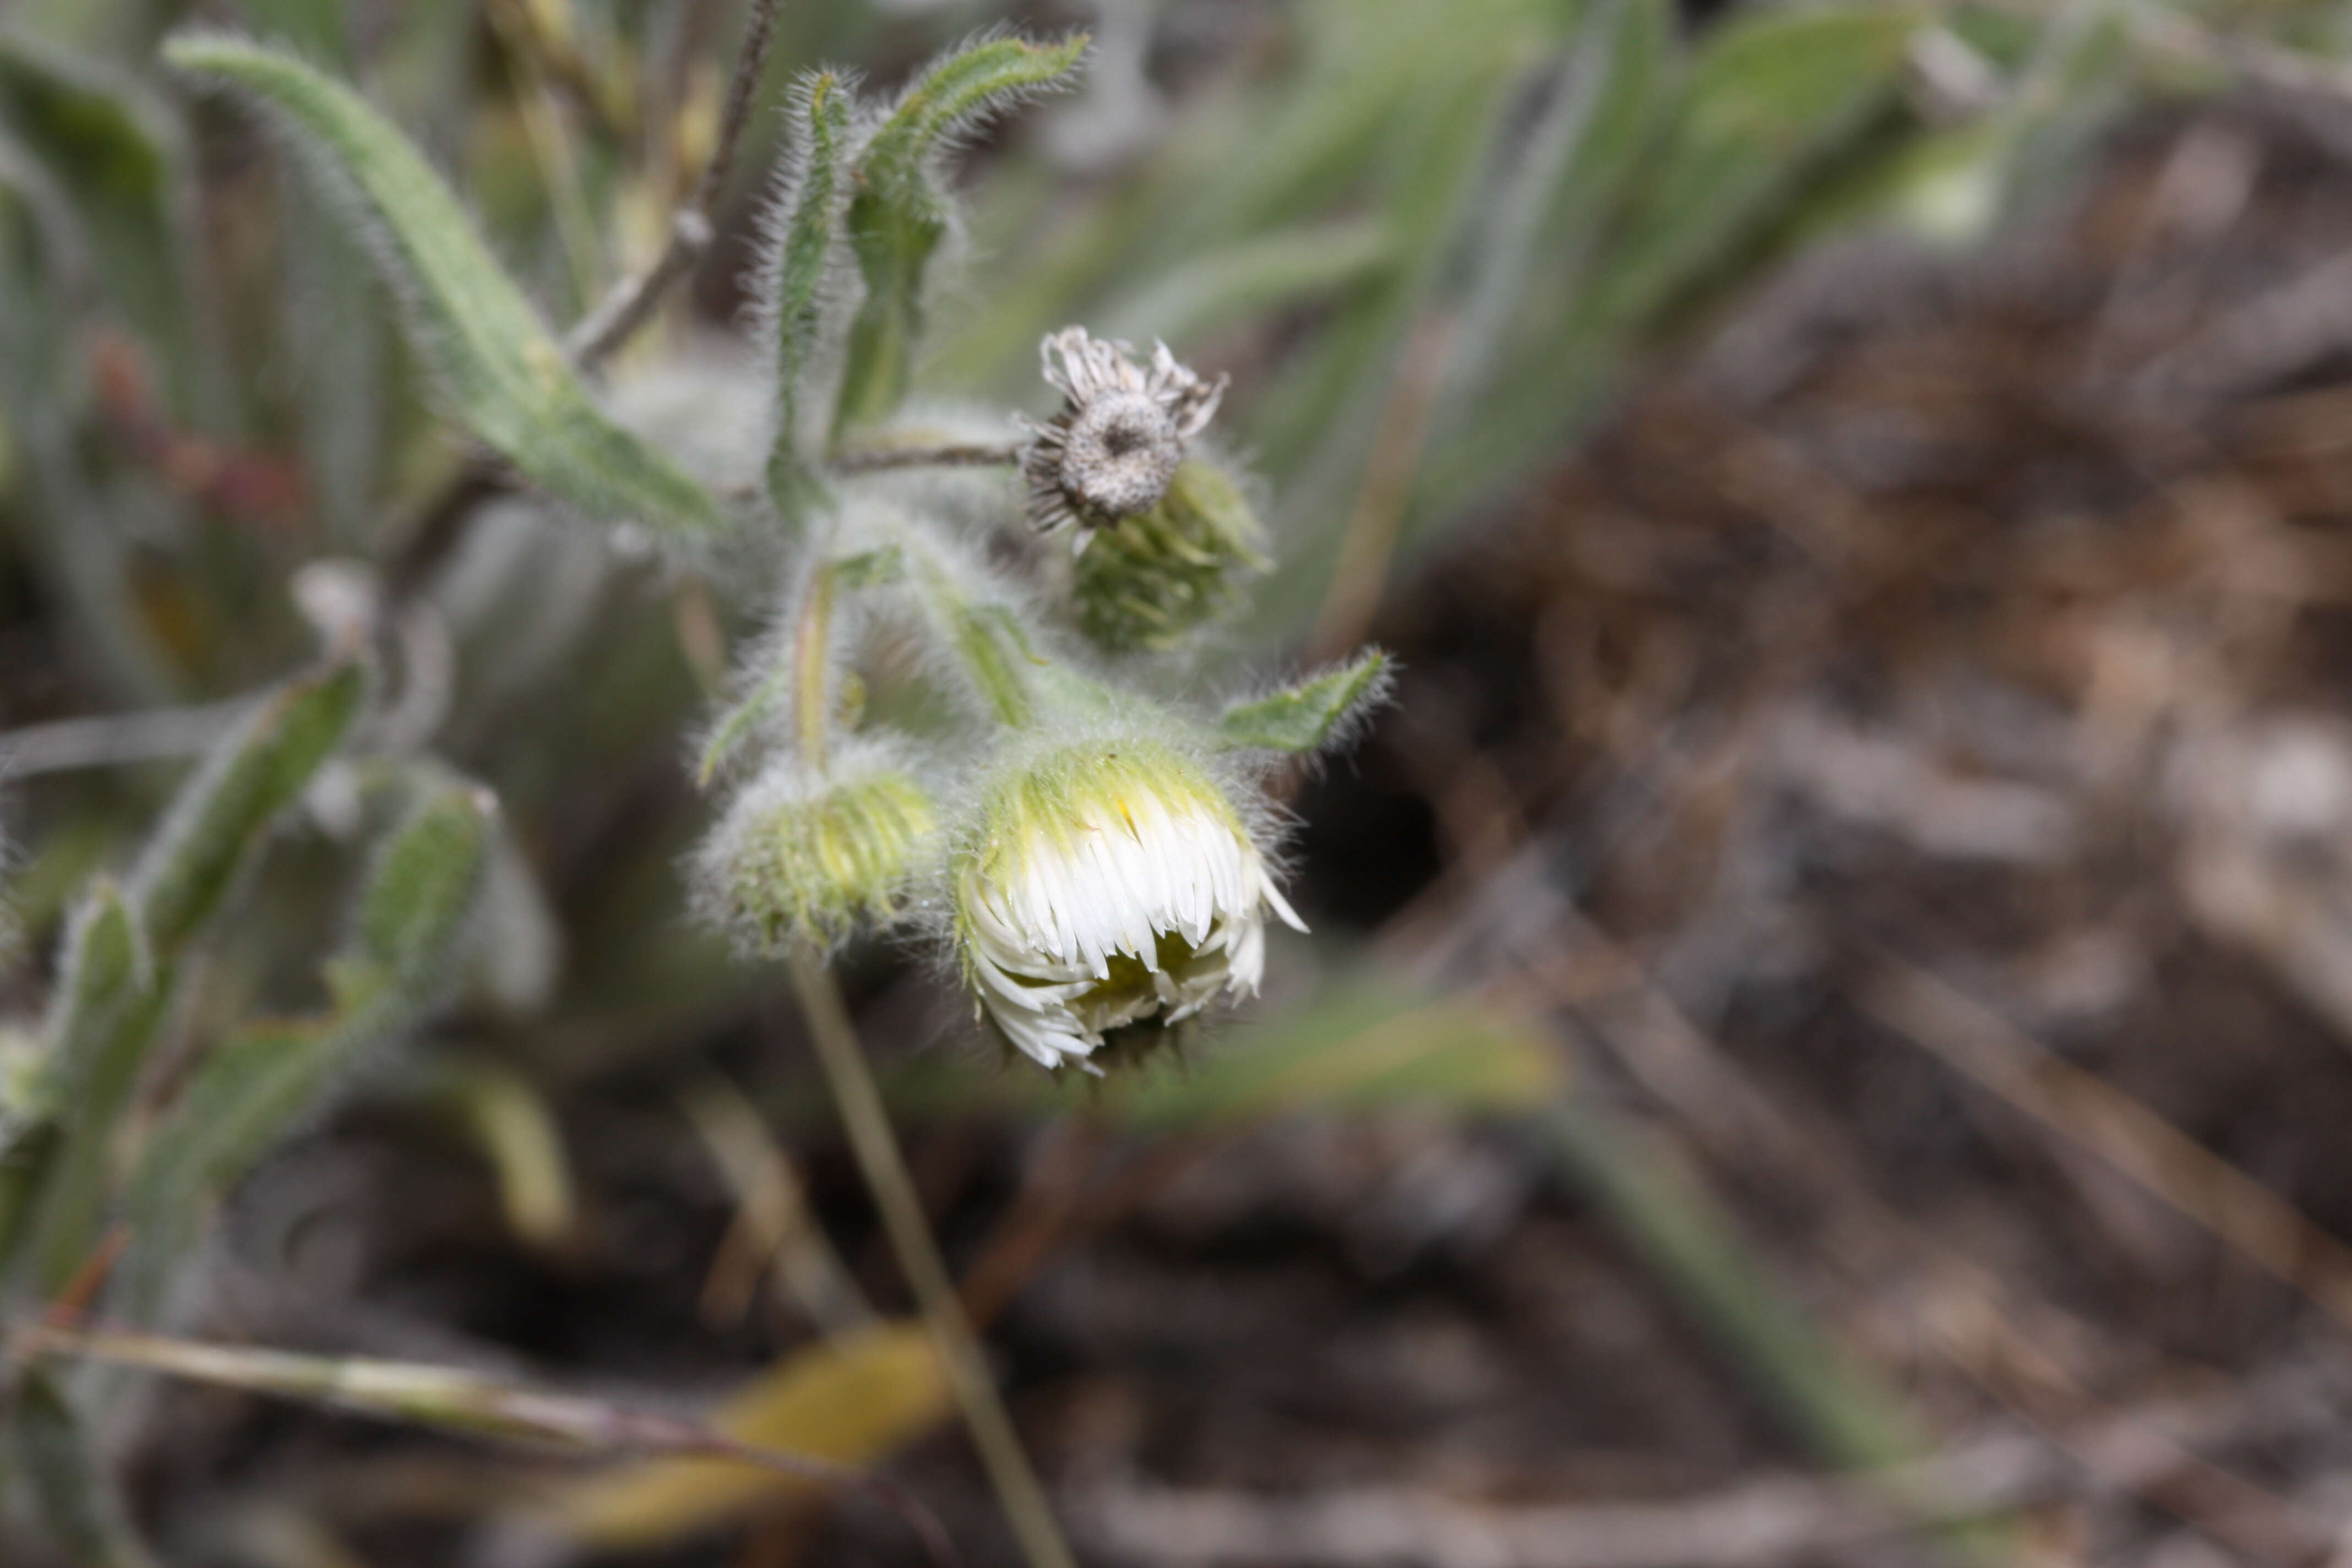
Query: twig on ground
<point x="601" y="333"/>
<point x="1748" y="1525"/>
<point x="465" y="1402"/>
<point x="874" y="460"/>
<point x="1984" y="1047"/>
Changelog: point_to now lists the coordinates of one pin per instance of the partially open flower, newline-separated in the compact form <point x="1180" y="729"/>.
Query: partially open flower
<point x="1112" y="447"/>
<point x="1112" y="889"/>
<point x="805" y="859"/>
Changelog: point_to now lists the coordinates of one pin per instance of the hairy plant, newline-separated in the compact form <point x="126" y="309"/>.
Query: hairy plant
<point x="973" y="709"/>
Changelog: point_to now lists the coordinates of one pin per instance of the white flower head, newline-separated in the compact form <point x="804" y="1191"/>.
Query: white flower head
<point x="1122" y="428"/>
<point x="1111" y="887"/>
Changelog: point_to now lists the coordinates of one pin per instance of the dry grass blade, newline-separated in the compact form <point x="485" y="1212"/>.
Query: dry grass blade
<point x="464" y="1401"/>
<point x="1983" y="1047"/>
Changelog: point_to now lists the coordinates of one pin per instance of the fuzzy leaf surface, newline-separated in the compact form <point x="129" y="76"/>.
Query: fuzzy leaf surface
<point x="407" y="925"/>
<point x="898" y="214"/>
<point x="804" y="255"/>
<point x="221" y="815"/>
<point x="503" y="371"/>
<point x="1307" y="716"/>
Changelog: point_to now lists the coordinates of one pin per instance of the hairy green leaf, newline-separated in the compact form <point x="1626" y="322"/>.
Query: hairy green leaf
<point x="504" y="373"/>
<point x="898" y="214"/>
<point x="410" y="915"/>
<point x="221" y="813"/>
<point x="198" y="856"/>
<point x="797" y="270"/>
<point x="1311" y="715"/>
<point x="422" y="886"/>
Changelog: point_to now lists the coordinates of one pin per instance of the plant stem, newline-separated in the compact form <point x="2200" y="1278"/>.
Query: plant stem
<point x="876" y="1149"/>
<point x="631" y="305"/>
<point x="811" y="658"/>
<point x="872" y="459"/>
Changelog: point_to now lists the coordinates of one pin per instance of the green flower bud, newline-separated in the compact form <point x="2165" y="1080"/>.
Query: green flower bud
<point x="809" y="860"/>
<point x="1146" y="581"/>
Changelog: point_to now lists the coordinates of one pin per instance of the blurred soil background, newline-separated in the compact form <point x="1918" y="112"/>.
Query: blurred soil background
<point x="1898" y="763"/>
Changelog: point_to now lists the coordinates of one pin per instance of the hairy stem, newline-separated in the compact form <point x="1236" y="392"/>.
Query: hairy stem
<point x="811" y="651"/>
<point x="876" y="1149"/>
<point x="874" y="460"/>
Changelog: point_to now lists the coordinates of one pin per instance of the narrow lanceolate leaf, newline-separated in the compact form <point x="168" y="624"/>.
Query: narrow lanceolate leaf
<point x="898" y="214"/>
<point x="1312" y="714"/>
<point x="422" y="887"/>
<point x="804" y="247"/>
<point x="222" y="814"/>
<point x="504" y="373"/>
<point x="410" y="919"/>
<point x="104" y="967"/>
<point x="109" y="1003"/>
<point x="114" y="161"/>
<point x="467" y="1403"/>
<point x="79" y="1503"/>
<point x="127" y="945"/>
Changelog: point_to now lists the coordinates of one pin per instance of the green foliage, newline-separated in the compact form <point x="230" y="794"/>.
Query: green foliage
<point x="220" y="817"/>
<point x="505" y="375"/>
<point x="406" y="930"/>
<point x="417" y="897"/>
<point x="802" y="260"/>
<point x="1311" y="715"/>
<point x="112" y="159"/>
<point x="122" y="958"/>
<point x="898" y="216"/>
<point x="1428" y="238"/>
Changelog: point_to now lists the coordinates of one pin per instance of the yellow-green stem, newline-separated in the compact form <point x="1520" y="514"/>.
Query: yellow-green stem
<point x="876" y="1149"/>
<point x="813" y="641"/>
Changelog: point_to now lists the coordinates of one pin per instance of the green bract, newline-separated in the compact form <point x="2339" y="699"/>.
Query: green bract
<point x="1149" y="579"/>
<point x="801" y="861"/>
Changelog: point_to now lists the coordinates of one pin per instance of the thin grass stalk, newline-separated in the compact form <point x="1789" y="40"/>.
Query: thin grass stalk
<point x="875" y="1146"/>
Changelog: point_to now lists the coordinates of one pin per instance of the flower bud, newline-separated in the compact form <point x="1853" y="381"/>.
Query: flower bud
<point x="1110" y="891"/>
<point x="1121" y="431"/>
<point x="1149" y="579"/>
<point x="806" y="859"/>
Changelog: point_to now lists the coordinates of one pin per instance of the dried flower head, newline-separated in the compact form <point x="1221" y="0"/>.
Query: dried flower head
<point x="1121" y="430"/>
<point x="1111" y="889"/>
<point x="798" y="858"/>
